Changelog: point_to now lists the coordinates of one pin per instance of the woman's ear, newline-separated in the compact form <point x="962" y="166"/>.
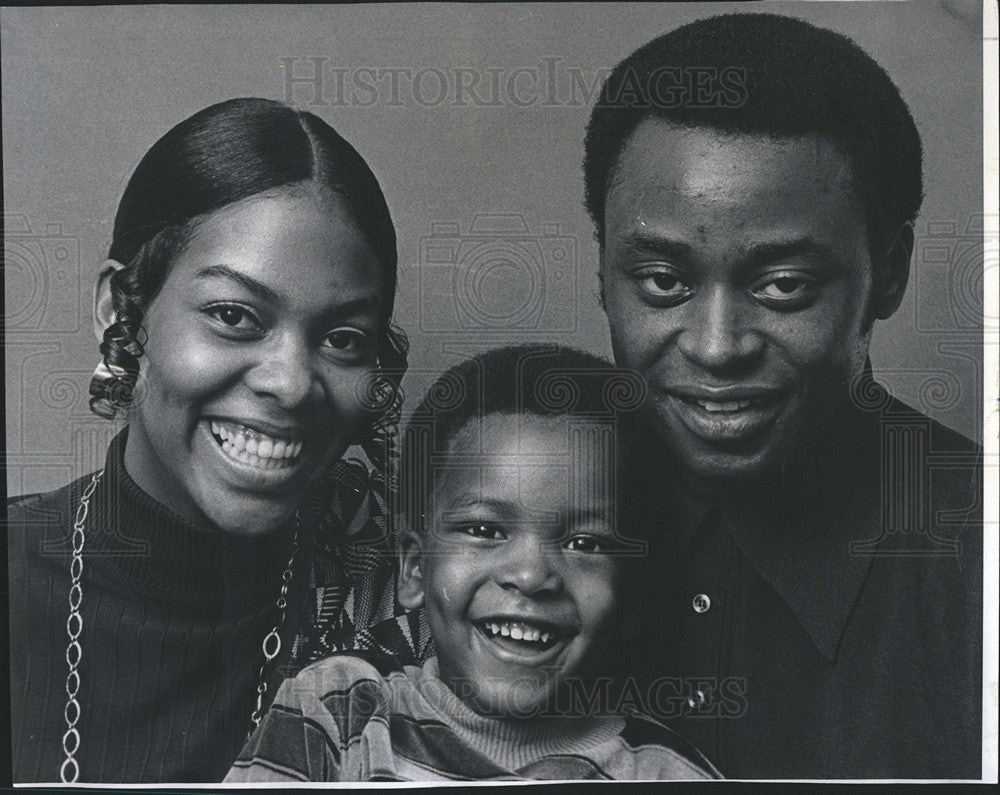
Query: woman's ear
<point x="411" y="577"/>
<point x="104" y="307"/>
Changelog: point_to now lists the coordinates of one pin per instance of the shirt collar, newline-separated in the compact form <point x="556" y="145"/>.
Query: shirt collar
<point x="798" y="536"/>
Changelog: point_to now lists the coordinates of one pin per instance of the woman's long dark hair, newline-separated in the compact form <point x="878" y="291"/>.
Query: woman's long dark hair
<point x="220" y="155"/>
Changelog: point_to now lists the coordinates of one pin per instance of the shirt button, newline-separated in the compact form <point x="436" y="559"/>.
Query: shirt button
<point x="701" y="603"/>
<point x="697" y="699"/>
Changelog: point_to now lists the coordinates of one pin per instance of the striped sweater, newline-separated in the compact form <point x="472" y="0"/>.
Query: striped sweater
<point x="368" y="718"/>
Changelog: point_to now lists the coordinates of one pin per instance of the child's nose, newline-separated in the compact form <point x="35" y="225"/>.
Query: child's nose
<point x="530" y="568"/>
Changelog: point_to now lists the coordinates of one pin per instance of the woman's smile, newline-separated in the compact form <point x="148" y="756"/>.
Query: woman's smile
<point x="257" y="344"/>
<point x="260" y="460"/>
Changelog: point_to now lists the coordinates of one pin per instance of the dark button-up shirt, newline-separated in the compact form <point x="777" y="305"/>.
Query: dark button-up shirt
<point x="830" y="627"/>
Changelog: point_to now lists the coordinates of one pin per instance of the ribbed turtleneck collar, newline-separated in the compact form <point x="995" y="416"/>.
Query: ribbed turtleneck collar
<point x="512" y="743"/>
<point x="144" y="547"/>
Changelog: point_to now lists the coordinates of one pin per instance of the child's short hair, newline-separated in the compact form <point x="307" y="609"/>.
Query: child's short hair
<point x="535" y="379"/>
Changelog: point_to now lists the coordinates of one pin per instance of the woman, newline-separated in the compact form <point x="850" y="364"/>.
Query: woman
<point x="246" y="307"/>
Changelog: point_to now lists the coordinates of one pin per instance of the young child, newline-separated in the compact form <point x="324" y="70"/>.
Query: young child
<point x="513" y="551"/>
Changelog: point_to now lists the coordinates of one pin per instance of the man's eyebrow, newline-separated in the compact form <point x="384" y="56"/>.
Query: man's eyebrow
<point x="646" y="241"/>
<point x="259" y="289"/>
<point x="781" y="249"/>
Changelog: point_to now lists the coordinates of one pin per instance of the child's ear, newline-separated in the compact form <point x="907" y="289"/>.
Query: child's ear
<point x="104" y="307"/>
<point x="411" y="577"/>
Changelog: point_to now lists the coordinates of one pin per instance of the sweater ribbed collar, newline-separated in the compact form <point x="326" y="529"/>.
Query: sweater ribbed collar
<point x="512" y="743"/>
<point x="142" y="546"/>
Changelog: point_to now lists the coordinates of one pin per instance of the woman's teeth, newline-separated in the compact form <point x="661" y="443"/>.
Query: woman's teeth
<point x="517" y="630"/>
<point x="254" y="448"/>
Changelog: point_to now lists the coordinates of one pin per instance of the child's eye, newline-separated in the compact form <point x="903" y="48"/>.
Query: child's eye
<point x="485" y="530"/>
<point x="587" y="544"/>
<point x="236" y="317"/>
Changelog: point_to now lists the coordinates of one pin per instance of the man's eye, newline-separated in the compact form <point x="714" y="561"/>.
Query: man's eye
<point x="483" y="530"/>
<point x="234" y="316"/>
<point x="663" y="285"/>
<point x="785" y="289"/>
<point x="586" y="544"/>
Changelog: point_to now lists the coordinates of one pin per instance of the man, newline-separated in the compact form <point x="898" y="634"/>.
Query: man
<point x="754" y="182"/>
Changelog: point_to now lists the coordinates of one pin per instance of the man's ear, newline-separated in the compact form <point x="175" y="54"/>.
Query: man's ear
<point x="411" y="574"/>
<point x="600" y="280"/>
<point x="104" y="308"/>
<point x="892" y="273"/>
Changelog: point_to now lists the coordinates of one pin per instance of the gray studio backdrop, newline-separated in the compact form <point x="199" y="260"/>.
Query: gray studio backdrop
<point x="473" y="118"/>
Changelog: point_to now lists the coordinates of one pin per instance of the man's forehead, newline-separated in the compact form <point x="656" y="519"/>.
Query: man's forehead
<point x="702" y="161"/>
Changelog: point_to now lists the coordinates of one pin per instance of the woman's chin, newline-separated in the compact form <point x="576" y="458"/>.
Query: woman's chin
<point x="253" y="523"/>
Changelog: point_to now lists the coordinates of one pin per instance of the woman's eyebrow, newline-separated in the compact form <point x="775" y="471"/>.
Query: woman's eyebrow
<point x="259" y="289"/>
<point x="366" y="303"/>
<point x="358" y="306"/>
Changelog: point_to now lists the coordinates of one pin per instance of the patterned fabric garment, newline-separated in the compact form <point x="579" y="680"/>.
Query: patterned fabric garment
<point x="351" y="593"/>
<point x="365" y="717"/>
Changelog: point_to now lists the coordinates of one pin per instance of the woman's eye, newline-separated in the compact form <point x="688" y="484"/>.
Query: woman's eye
<point x="586" y="544"/>
<point x="348" y="341"/>
<point x="235" y="317"/>
<point x="663" y="285"/>
<point x="484" y="530"/>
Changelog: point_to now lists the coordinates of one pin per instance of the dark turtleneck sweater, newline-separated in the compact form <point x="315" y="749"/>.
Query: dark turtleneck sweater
<point x="174" y="616"/>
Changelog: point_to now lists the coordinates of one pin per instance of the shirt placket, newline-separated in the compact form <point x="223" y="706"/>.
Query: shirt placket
<point x="710" y="573"/>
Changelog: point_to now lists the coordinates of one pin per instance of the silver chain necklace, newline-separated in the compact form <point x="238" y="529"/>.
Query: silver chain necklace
<point x="69" y="772"/>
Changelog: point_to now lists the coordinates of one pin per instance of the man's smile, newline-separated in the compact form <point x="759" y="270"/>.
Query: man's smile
<point x="733" y="414"/>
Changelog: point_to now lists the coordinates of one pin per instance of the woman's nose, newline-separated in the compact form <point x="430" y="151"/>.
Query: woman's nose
<point x="529" y="567"/>
<point x="285" y="371"/>
<point x="717" y="336"/>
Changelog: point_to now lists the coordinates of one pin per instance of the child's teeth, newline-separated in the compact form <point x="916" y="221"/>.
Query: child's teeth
<point x="504" y="630"/>
<point x="545" y="637"/>
<point x="252" y="446"/>
<point x="279" y="449"/>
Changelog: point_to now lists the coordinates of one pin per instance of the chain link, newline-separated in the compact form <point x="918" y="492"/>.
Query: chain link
<point x="69" y="772"/>
<point x="272" y="641"/>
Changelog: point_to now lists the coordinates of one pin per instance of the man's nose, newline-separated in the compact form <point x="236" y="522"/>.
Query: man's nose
<point x="718" y="335"/>
<point x="529" y="566"/>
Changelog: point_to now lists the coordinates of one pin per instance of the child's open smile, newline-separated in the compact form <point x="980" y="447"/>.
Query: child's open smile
<point x="517" y="567"/>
